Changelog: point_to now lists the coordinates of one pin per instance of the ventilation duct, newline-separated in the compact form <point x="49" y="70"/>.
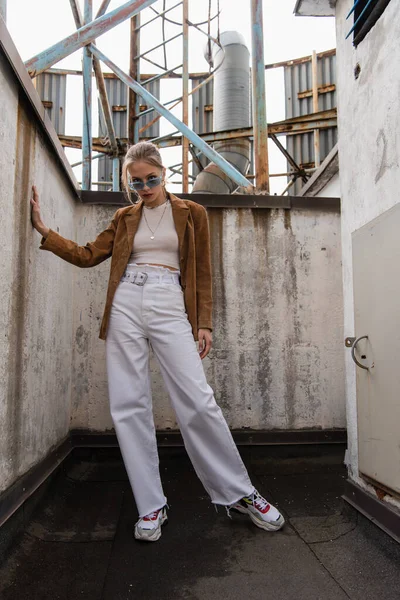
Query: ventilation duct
<point x="231" y="110"/>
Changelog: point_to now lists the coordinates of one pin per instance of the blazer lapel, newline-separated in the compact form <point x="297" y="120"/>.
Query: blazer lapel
<point x="132" y="218"/>
<point x="180" y="213"/>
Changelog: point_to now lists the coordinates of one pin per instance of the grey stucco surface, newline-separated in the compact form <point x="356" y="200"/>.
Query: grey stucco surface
<point x="35" y="291"/>
<point x="277" y="358"/>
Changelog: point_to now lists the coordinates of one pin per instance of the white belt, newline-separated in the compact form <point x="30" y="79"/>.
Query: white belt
<point x="140" y="277"/>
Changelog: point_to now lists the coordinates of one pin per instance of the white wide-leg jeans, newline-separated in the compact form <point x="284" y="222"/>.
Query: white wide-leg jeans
<point x="155" y="313"/>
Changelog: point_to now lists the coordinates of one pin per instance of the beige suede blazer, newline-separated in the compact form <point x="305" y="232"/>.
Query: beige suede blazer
<point x="117" y="240"/>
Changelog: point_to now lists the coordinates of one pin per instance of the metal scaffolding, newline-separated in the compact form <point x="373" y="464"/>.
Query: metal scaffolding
<point x="194" y="145"/>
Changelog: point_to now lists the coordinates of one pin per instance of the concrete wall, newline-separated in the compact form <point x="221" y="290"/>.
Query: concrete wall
<point x="35" y="291"/>
<point x="278" y="309"/>
<point x="369" y="150"/>
<point x="277" y="360"/>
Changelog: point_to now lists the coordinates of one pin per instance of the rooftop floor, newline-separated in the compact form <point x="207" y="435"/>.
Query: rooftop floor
<point x="79" y="542"/>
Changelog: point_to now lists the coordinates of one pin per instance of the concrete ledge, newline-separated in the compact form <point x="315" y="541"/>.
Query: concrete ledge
<point x="82" y="438"/>
<point x="228" y="201"/>
<point x="378" y="512"/>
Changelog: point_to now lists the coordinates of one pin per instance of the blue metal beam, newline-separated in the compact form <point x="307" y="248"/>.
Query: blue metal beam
<point x="86" y="34"/>
<point x="87" y="106"/>
<point x="226" y="167"/>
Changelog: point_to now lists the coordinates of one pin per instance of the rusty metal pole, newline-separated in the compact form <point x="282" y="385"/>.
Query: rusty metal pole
<point x="259" y="99"/>
<point x="87" y="106"/>
<point x="314" y="64"/>
<point x="134" y="72"/>
<point x="185" y="96"/>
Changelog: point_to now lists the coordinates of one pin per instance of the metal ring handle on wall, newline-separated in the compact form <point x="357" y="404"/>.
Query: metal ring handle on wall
<point x="353" y="352"/>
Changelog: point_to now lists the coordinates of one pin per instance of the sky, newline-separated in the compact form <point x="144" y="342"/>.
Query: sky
<point x="34" y="26"/>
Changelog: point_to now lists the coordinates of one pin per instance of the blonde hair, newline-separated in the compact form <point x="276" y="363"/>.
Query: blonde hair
<point x="142" y="151"/>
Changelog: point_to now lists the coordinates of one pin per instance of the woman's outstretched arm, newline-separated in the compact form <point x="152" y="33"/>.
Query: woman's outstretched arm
<point x="36" y="217"/>
<point x="93" y="253"/>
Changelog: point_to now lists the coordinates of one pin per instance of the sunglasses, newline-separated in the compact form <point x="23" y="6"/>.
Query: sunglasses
<point x="139" y="185"/>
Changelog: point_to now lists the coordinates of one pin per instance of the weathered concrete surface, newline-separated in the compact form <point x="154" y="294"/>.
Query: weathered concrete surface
<point x="277" y="360"/>
<point x="89" y="389"/>
<point x="35" y="292"/>
<point x="369" y="150"/>
<point x="277" y="287"/>
<point x="323" y="552"/>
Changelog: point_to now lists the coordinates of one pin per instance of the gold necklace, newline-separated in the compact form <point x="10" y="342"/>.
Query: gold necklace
<point x="153" y="232"/>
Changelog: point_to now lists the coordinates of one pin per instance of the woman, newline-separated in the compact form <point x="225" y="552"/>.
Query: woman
<point x="159" y="293"/>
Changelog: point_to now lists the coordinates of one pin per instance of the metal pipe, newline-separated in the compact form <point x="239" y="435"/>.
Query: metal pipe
<point x="314" y="70"/>
<point x="100" y="182"/>
<point x="86" y="34"/>
<point x="177" y="101"/>
<point x="161" y="75"/>
<point x="231" y="111"/>
<point x="76" y="11"/>
<point x="184" y="129"/>
<point x="134" y="72"/>
<point x="185" y="95"/>
<point x="161" y="14"/>
<point x="115" y="174"/>
<point x="288" y="157"/>
<point x="146" y="58"/>
<point x="289" y="185"/>
<point x="103" y="7"/>
<point x="79" y="22"/>
<point x="87" y="105"/>
<point x="158" y="46"/>
<point x="101" y="86"/>
<point x="196" y="159"/>
<point x="259" y="99"/>
<point x="76" y="164"/>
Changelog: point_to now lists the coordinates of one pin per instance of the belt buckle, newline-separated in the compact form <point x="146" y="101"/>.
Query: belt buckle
<point x="142" y="279"/>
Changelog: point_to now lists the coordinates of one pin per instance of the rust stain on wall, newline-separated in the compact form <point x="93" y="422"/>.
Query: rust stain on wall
<point x="220" y="312"/>
<point x="263" y="222"/>
<point x="24" y="162"/>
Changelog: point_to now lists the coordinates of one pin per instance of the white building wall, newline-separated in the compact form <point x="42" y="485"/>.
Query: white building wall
<point x="369" y="151"/>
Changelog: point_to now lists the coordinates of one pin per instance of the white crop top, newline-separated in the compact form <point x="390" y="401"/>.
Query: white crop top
<point x="163" y="249"/>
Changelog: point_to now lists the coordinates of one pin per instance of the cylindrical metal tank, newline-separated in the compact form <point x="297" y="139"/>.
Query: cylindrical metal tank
<point x="231" y="110"/>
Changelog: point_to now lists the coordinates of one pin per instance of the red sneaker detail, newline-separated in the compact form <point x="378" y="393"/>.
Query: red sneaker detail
<point x="152" y="516"/>
<point x="262" y="510"/>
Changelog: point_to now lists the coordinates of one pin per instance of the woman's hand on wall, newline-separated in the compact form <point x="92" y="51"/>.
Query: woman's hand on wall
<point x="205" y="342"/>
<point x="35" y="214"/>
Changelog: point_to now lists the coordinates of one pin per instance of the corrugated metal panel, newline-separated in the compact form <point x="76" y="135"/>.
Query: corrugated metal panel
<point x="298" y="79"/>
<point x="52" y="90"/>
<point x="202" y="117"/>
<point x="117" y="93"/>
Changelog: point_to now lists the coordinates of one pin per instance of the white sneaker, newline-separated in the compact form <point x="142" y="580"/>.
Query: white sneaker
<point x="148" y="528"/>
<point x="260" y="511"/>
